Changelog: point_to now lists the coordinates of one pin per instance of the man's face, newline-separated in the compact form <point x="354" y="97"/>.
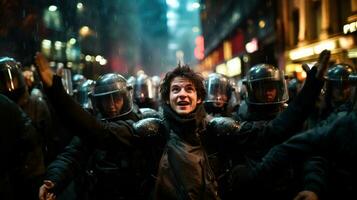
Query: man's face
<point x="218" y="95"/>
<point x="220" y="100"/>
<point x="270" y="94"/>
<point x="111" y="104"/>
<point x="267" y="93"/>
<point x="183" y="96"/>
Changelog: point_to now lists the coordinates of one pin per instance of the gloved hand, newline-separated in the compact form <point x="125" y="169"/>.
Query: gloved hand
<point x="319" y="69"/>
<point x="222" y="126"/>
<point x="314" y="80"/>
<point x="149" y="127"/>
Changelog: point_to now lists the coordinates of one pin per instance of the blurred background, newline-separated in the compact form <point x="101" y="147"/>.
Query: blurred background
<point x="92" y="37"/>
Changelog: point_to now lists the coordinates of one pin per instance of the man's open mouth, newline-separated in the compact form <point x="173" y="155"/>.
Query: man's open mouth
<point x="183" y="103"/>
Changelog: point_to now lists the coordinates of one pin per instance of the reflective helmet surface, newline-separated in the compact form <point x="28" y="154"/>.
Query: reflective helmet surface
<point x="112" y="96"/>
<point x="77" y="80"/>
<point x="219" y="89"/>
<point x="266" y="85"/>
<point x="131" y="81"/>
<point x="339" y="72"/>
<point x="143" y="89"/>
<point x="84" y="90"/>
<point x="338" y="85"/>
<point x="12" y="82"/>
<point x="156" y="85"/>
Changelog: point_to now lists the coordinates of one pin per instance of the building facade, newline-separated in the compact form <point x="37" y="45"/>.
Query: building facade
<point x="310" y="26"/>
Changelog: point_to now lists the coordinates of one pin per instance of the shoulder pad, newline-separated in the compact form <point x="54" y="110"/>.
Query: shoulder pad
<point x="149" y="127"/>
<point x="150" y="113"/>
<point x="222" y="126"/>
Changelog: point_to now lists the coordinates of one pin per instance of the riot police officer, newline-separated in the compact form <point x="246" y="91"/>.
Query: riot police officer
<point x="12" y="85"/>
<point x="219" y="92"/>
<point x="338" y="89"/>
<point x="113" y="172"/>
<point x="144" y="92"/>
<point x="266" y="91"/>
<point x="267" y="123"/>
<point x="18" y="140"/>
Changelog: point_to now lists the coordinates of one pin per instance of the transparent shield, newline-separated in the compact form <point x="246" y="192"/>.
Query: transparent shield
<point x="267" y="92"/>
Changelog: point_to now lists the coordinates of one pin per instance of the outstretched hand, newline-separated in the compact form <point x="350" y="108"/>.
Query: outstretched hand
<point x="322" y="63"/>
<point x="44" y="69"/>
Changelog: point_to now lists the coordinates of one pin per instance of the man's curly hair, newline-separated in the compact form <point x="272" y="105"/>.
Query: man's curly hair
<point x="186" y="72"/>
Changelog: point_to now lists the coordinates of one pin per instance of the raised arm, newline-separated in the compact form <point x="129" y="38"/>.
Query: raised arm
<point x="106" y="135"/>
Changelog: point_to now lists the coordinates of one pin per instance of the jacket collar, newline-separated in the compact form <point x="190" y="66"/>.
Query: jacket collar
<point x="187" y="127"/>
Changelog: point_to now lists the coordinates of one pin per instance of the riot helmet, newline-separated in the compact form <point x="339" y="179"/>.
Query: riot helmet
<point x="266" y="85"/>
<point x="77" y="80"/>
<point x="219" y="90"/>
<point x="84" y="90"/>
<point x="143" y="90"/>
<point x="338" y="86"/>
<point x="112" y="96"/>
<point x="156" y="87"/>
<point x="131" y="81"/>
<point x="12" y="82"/>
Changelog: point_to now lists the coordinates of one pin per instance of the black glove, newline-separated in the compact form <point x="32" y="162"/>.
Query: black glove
<point x="318" y="71"/>
<point x="149" y="127"/>
<point x="314" y="80"/>
<point x="222" y="126"/>
<point x="150" y="113"/>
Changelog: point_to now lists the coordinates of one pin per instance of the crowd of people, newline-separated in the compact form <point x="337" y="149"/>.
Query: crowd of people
<point x="182" y="137"/>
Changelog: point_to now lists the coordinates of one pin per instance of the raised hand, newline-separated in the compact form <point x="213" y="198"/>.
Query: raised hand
<point x="44" y="69"/>
<point x="44" y="192"/>
<point x="322" y="63"/>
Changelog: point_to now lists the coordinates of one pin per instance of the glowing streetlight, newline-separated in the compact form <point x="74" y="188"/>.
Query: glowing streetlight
<point x="52" y="8"/>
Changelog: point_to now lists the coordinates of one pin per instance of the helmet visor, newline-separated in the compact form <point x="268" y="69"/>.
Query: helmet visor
<point x="267" y="91"/>
<point x="218" y="92"/>
<point x="143" y="91"/>
<point x="115" y="104"/>
<point x="11" y="80"/>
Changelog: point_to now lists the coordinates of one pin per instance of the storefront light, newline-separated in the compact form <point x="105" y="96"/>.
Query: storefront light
<point x="301" y="53"/>
<point x="221" y="69"/>
<point x="346" y="42"/>
<point x="352" y="53"/>
<point x="329" y="45"/>
<point x="350" y="28"/>
<point x="234" y="67"/>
